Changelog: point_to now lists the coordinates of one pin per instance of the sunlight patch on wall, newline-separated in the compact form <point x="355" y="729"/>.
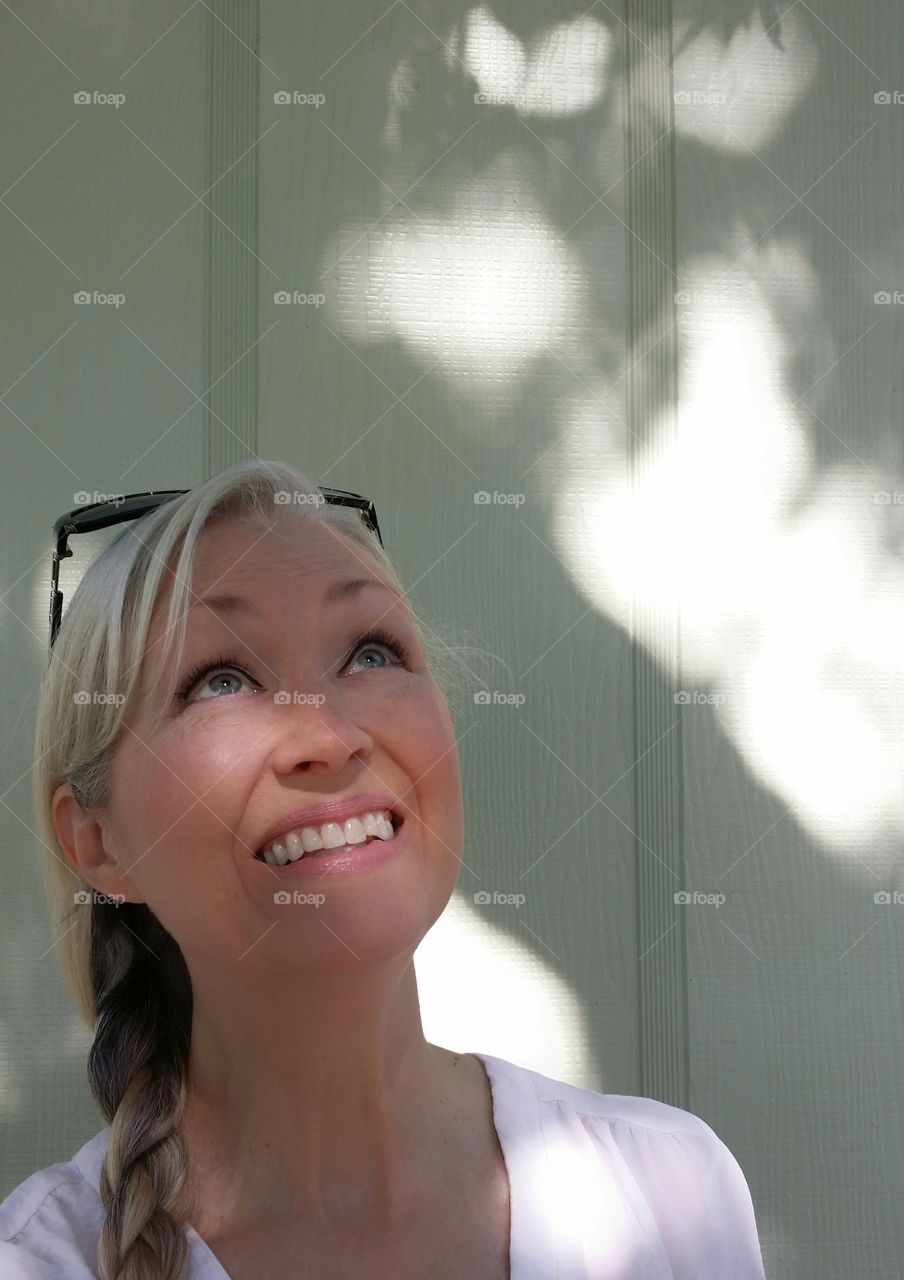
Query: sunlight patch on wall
<point x="475" y="985"/>
<point x="482" y="292"/>
<point x="791" y="605"/>
<point x="560" y="74"/>
<point x="740" y="93"/>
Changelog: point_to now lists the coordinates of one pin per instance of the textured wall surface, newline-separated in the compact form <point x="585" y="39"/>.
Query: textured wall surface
<point x="103" y="366"/>
<point x="601" y="306"/>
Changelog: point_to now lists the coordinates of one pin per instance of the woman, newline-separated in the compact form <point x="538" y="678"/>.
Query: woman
<point x="252" y="836"/>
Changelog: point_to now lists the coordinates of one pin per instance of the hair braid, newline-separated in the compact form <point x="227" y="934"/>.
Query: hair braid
<point x="137" y="1069"/>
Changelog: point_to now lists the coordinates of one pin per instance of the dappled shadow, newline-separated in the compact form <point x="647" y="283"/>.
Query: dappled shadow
<point x="764" y="515"/>
<point x="690" y="437"/>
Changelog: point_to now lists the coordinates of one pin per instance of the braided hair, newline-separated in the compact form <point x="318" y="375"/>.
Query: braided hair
<point x="137" y="1069"/>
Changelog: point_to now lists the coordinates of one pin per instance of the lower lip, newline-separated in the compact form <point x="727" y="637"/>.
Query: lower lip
<point x="360" y="857"/>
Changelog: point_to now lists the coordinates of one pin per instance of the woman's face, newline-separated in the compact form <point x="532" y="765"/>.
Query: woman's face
<point x="191" y="802"/>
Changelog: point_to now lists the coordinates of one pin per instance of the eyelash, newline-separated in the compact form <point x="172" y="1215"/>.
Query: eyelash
<point x="225" y="663"/>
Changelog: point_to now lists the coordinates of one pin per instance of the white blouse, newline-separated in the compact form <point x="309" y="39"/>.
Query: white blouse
<point x="603" y="1187"/>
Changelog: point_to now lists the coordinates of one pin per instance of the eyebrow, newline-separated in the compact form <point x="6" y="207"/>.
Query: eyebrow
<point x="335" y="593"/>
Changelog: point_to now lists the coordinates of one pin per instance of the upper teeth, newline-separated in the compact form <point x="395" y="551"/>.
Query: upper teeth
<point x="332" y="835"/>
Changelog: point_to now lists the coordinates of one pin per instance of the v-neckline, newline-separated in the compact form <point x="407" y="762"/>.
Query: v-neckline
<point x="205" y="1265"/>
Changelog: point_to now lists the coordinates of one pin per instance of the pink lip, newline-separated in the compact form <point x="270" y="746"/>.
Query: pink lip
<point x="330" y="811"/>
<point x="357" y="858"/>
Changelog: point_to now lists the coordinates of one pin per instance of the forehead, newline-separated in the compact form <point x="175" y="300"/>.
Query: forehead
<point x="268" y="560"/>
<point x="251" y="551"/>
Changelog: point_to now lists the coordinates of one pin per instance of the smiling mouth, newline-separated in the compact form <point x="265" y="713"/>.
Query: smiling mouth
<point x="396" y="822"/>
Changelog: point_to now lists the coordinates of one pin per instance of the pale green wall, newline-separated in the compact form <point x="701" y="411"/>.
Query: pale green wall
<point x="526" y="299"/>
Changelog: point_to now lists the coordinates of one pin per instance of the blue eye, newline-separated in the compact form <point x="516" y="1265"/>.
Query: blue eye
<point x="384" y="640"/>
<point x="226" y="675"/>
<point x="221" y="666"/>
<point x="228" y="667"/>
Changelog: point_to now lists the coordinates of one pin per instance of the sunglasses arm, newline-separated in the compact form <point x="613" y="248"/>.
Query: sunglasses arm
<point x="60" y="552"/>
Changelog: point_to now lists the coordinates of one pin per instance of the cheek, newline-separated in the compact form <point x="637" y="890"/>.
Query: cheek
<point x="436" y="761"/>
<point x="173" y="824"/>
<point x="190" y="784"/>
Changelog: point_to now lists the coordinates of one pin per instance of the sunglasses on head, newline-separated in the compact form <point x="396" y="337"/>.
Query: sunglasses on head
<point x="99" y="515"/>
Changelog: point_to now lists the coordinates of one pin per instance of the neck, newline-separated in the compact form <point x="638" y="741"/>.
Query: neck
<point x="320" y="1101"/>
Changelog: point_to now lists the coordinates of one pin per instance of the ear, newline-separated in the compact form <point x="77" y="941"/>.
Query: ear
<point x="87" y="847"/>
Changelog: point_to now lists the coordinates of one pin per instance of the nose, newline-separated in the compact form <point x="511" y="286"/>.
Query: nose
<point x="312" y="729"/>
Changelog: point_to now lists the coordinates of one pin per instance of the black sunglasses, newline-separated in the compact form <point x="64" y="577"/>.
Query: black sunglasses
<point x="98" y="515"/>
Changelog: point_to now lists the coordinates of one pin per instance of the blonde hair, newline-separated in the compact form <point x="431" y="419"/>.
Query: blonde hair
<point x="125" y="972"/>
